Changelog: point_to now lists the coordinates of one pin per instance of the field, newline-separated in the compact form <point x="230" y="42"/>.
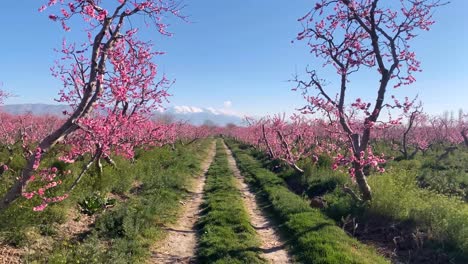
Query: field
<point x="126" y="214"/>
<point x="349" y="160"/>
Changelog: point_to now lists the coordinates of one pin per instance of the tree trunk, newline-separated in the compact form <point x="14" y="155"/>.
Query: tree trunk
<point x="361" y="181"/>
<point x="464" y="133"/>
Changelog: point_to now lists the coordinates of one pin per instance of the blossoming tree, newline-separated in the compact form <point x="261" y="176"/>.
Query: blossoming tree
<point x="351" y="35"/>
<point x="109" y="82"/>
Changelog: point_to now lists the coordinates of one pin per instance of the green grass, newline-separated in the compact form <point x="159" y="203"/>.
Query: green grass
<point x="313" y="237"/>
<point x="226" y="235"/>
<point x="445" y="219"/>
<point x="422" y="195"/>
<point x="122" y="234"/>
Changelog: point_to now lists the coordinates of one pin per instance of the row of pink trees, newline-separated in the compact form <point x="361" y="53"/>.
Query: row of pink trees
<point x="20" y="134"/>
<point x="300" y="138"/>
<point x="22" y="131"/>
<point x="109" y="82"/>
<point x="419" y="132"/>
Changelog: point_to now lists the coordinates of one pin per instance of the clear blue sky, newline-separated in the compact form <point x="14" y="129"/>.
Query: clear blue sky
<point x="237" y="51"/>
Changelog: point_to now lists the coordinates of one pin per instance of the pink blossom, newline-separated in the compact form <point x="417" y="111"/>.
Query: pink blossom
<point x="102" y="15"/>
<point x="41" y="192"/>
<point x="28" y="195"/>
<point x="40" y="207"/>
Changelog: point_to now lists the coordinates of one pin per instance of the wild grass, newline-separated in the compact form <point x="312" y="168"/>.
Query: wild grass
<point x="153" y="184"/>
<point x="444" y="219"/>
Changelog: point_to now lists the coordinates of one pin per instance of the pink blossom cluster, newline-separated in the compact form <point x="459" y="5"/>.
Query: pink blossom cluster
<point x="367" y="158"/>
<point x="94" y="11"/>
<point x="45" y="179"/>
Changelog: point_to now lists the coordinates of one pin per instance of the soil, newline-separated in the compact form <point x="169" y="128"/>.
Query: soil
<point x="77" y="225"/>
<point x="179" y="246"/>
<point x="272" y="248"/>
<point x="10" y="255"/>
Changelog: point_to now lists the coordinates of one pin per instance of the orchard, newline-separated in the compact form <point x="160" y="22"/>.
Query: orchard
<point x="361" y="170"/>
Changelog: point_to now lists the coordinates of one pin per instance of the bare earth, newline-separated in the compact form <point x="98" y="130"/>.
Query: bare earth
<point x="271" y="246"/>
<point x="10" y="255"/>
<point x="180" y="244"/>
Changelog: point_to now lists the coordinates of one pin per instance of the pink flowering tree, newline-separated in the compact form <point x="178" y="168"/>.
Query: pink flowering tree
<point x="410" y="136"/>
<point x="110" y="81"/>
<point x="289" y="140"/>
<point x="350" y="36"/>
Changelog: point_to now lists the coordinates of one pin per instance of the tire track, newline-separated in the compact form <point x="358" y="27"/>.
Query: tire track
<point x="273" y="249"/>
<point x="179" y="246"/>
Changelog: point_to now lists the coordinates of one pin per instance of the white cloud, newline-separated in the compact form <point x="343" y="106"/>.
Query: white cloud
<point x="227" y="104"/>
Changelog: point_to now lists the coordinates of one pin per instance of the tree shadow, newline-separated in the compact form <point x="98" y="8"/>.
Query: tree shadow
<point x="265" y="226"/>
<point x="273" y="249"/>
<point x="179" y="230"/>
<point x="166" y="258"/>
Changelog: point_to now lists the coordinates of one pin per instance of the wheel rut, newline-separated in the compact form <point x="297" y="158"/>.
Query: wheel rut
<point x="179" y="246"/>
<point x="272" y="248"/>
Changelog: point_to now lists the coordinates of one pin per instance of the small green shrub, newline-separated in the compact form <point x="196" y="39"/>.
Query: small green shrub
<point x="95" y="203"/>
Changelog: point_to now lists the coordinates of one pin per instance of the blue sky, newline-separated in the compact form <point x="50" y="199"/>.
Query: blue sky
<point x="239" y="52"/>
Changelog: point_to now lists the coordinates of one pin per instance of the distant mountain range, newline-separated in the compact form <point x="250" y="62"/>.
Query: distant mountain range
<point x="37" y="109"/>
<point x="193" y="115"/>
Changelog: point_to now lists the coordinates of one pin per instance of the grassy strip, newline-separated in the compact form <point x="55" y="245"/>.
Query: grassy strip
<point x="314" y="238"/>
<point x="226" y="235"/>
<point x="125" y="233"/>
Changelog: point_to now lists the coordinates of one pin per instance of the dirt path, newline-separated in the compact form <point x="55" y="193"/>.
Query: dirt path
<point x="180" y="244"/>
<point x="272" y="248"/>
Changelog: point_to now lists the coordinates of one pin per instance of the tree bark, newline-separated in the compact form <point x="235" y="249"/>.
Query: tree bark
<point x="270" y="151"/>
<point x="361" y="181"/>
<point x="464" y="134"/>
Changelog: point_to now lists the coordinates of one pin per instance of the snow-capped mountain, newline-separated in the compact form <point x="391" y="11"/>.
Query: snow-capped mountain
<point x="191" y="114"/>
